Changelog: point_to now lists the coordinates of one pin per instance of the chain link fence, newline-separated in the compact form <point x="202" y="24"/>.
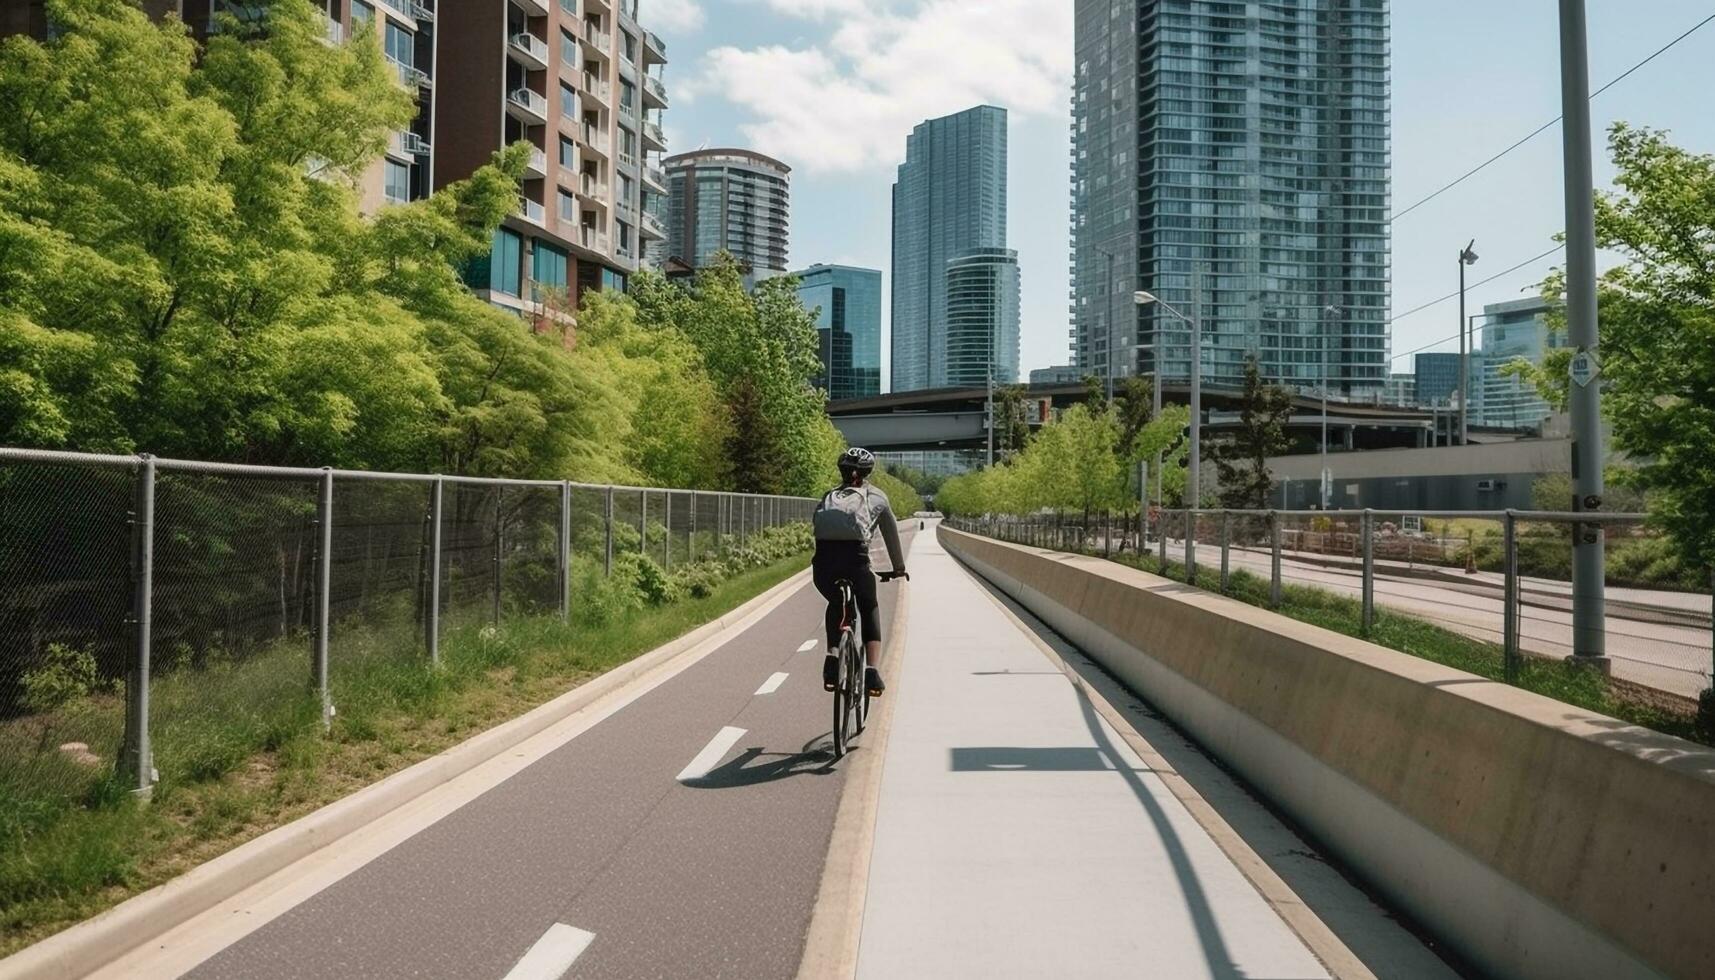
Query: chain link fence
<point x="1499" y="577"/>
<point x="170" y="616"/>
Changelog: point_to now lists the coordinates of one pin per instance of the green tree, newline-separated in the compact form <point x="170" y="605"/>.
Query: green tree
<point x="1243" y="459"/>
<point x="1657" y="323"/>
<point x="1012" y="422"/>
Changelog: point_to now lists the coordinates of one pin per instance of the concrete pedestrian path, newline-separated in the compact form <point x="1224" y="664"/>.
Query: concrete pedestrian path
<point x="1017" y="835"/>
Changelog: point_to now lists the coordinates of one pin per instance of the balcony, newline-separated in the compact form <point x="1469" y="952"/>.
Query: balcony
<point x="656" y="179"/>
<point x="627" y="114"/>
<point x="534" y="8"/>
<point x="424" y="13"/>
<point x="652" y="226"/>
<point x="626" y="158"/>
<point x="625" y="210"/>
<point x="538" y="163"/>
<point x="598" y="39"/>
<point x="654" y="91"/>
<point x="597" y="140"/>
<point x="529" y="49"/>
<point x="525" y="105"/>
<point x="652" y="134"/>
<point x="591" y="239"/>
<point x="598" y="89"/>
<point x="415" y="145"/>
<point x="410" y="77"/>
<point x="400" y="6"/>
<point x="654" y="49"/>
<point x="531" y="211"/>
<point x="593" y="189"/>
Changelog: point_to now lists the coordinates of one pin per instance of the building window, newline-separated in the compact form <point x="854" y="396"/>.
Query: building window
<point x="624" y="234"/>
<point x="568" y="207"/>
<point x="627" y="95"/>
<point x="568" y="50"/>
<point x="548" y="266"/>
<point x="568" y="153"/>
<point x="397" y="182"/>
<point x="401" y="45"/>
<point x="568" y="101"/>
<point x="628" y="44"/>
<point x="624" y="188"/>
<point x="361" y="13"/>
<point x="505" y="262"/>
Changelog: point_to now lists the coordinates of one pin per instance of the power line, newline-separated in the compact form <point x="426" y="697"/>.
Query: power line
<point x="1454" y="294"/>
<point x="1549" y="124"/>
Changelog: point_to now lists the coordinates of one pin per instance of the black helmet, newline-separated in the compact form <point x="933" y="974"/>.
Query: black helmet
<point x="857" y="460"/>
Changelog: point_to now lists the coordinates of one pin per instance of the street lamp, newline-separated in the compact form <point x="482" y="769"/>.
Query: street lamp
<point x="1193" y="482"/>
<point x="1327" y="475"/>
<point x="1466" y="257"/>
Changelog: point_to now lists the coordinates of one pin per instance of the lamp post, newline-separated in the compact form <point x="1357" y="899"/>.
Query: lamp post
<point x="1466" y="257"/>
<point x="1327" y="477"/>
<point x="1194" y="323"/>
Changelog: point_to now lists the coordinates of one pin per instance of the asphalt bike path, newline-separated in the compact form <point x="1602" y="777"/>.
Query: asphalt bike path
<point x="1017" y="835"/>
<point x="682" y="836"/>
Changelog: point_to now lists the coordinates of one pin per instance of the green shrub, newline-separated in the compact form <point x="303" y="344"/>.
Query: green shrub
<point x="66" y="674"/>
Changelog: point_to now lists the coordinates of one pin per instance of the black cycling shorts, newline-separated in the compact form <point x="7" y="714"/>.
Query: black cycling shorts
<point x="849" y="560"/>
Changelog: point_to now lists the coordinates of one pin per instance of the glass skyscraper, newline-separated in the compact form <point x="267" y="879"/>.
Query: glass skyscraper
<point x="982" y="317"/>
<point x="1250" y="140"/>
<point x="847" y="301"/>
<point x="1514" y="330"/>
<point x="728" y="200"/>
<point x="949" y="203"/>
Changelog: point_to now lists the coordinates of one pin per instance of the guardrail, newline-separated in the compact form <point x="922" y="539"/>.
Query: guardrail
<point x="1501" y="576"/>
<point x="234" y="584"/>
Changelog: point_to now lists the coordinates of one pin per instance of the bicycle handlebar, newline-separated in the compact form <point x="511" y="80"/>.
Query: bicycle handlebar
<point x="890" y="576"/>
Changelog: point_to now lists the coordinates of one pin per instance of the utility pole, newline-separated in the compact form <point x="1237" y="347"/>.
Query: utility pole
<point x="1588" y="548"/>
<point x="1466" y="257"/>
<point x="1194" y="486"/>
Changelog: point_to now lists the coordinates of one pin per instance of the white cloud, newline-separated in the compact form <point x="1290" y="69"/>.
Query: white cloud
<point x="847" y="103"/>
<point x="672" y="16"/>
<point x="817" y="9"/>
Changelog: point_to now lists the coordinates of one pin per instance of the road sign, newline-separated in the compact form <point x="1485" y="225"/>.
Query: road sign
<point x="1585" y="368"/>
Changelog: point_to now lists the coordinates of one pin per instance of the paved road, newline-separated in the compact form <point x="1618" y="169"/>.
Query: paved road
<point x="1667" y="656"/>
<point x="682" y="831"/>
<point x="711" y="876"/>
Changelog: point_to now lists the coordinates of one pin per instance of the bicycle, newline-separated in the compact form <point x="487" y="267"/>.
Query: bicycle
<point x="851" y="713"/>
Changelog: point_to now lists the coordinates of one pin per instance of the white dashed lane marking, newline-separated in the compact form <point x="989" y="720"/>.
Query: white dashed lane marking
<point x="553" y="954"/>
<point x="772" y="684"/>
<point x="711" y="754"/>
<point x="808" y="645"/>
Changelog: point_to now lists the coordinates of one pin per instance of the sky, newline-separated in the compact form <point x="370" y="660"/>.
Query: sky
<point x="833" y="87"/>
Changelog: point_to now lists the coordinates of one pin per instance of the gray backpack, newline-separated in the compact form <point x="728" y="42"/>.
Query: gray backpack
<point x="843" y="515"/>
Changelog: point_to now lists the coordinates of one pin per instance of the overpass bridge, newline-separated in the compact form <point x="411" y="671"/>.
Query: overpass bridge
<point x="955" y="418"/>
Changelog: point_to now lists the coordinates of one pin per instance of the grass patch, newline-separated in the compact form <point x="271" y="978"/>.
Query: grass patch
<point x="240" y="747"/>
<point x="1556" y="679"/>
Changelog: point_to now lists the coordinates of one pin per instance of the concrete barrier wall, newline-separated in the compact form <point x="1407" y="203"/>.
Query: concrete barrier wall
<point x="1538" y="839"/>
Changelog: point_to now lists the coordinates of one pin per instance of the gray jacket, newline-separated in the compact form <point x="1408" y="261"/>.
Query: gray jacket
<point x="877" y="512"/>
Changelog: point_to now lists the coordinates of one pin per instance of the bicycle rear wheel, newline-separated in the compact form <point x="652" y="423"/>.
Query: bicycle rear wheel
<point x="843" y="696"/>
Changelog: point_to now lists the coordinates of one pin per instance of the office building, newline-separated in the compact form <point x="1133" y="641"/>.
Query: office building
<point x="728" y="200"/>
<point x="1059" y="374"/>
<point x="1399" y="389"/>
<point x="1248" y="140"/>
<point x="847" y="302"/>
<point x="1436" y="378"/>
<point x="1512" y="331"/>
<point x="949" y="203"/>
<point x="982" y="317"/>
<point x="583" y="88"/>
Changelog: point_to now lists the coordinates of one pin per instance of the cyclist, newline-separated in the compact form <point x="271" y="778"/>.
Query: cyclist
<point x="844" y="522"/>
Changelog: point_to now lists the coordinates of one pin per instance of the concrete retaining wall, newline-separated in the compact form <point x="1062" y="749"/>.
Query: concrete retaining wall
<point x="1539" y="839"/>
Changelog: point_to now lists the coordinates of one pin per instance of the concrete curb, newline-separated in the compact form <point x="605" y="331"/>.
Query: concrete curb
<point x="95" y="942"/>
<point x="836" y="924"/>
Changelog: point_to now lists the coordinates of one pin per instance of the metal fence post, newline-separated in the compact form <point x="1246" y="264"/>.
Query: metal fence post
<point x="499" y="545"/>
<point x="1367" y="527"/>
<point x="1226" y="549"/>
<point x="607" y="535"/>
<point x="1274" y="558"/>
<point x="432" y="612"/>
<point x="667" y="528"/>
<point x="324" y="582"/>
<point x="1509" y="597"/>
<point x="1161" y="538"/>
<point x="643" y="522"/>
<point x="565" y="552"/>
<point x="137" y="764"/>
<point x="1190" y="546"/>
<point x="691" y="535"/>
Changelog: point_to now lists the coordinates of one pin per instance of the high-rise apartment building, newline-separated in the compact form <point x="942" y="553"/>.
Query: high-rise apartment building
<point x="579" y="81"/>
<point x="982" y="317"/>
<point x="949" y="203"/>
<point x="1516" y="330"/>
<point x="847" y="301"/>
<point x="728" y="200"/>
<point x="1250" y="140"/>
